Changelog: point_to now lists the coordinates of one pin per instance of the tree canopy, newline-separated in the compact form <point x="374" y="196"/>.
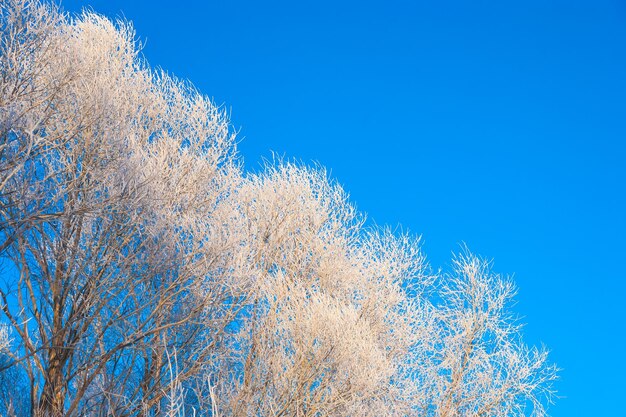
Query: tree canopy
<point x="146" y="273"/>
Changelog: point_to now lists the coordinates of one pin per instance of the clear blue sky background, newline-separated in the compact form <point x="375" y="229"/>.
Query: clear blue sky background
<point x="500" y="124"/>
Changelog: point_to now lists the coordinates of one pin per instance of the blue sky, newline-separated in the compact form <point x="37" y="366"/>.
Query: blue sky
<point x="498" y="124"/>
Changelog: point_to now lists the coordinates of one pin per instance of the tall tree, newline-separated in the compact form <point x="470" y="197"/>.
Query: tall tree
<point x="113" y="177"/>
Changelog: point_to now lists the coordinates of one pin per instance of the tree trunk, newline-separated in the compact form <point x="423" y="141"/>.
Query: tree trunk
<point x="52" y="401"/>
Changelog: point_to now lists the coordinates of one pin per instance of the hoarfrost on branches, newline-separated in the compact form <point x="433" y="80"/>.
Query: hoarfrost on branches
<point x="146" y="274"/>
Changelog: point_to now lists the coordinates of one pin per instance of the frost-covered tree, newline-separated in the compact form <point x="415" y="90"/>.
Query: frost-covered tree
<point x="473" y="361"/>
<point x="331" y="322"/>
<point x="112" y="189"/>
<point x="145" y="274"/>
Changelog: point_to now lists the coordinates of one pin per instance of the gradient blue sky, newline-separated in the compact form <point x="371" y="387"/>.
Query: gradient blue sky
<point x="499" y="124"/>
